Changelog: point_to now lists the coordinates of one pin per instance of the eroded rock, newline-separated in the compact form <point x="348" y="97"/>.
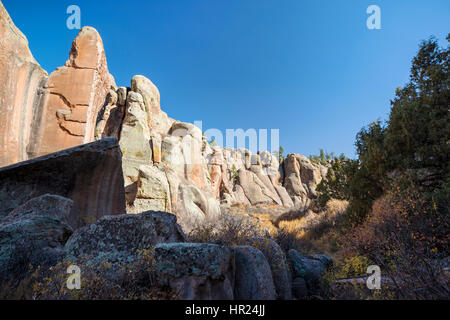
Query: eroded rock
<point x="90" y="175"/>
<point x="196" y="271"/>
<point x="278" y="265"/>
<point x="74" y="94"/>
<point x="20" y="78"/>
<point x="32" y="237"/>
<point x="253" y="275"/>
<point x="117" y="239"/>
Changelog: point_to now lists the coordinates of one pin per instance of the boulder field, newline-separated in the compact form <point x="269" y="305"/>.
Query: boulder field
<point x="95" y="171"/>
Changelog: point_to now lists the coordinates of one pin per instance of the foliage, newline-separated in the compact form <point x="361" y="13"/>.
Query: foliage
<point x="234" y="174"/>
<point x="336" y="183"/>
<point x="279" y="154"/>
<point x="415" y="139"/>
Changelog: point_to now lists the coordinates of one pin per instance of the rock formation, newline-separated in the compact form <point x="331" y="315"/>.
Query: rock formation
<point x="69" y="197"/>
<point x="196" y="270"/>
<point x="167" y="164"/>
<point x="20" y="80"/>
<point x="72" y="98"/>
<point x="33" y="234"/>
<point x="117" y="238"/>
<point x="41" y="114"/>
<point x="90" y="175"/>
<point x="253" y="275"/>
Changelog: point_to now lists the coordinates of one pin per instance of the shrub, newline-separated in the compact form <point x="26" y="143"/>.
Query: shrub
<point x="407" y="239"/>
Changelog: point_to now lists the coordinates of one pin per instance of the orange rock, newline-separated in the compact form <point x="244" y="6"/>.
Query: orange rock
<point x="20" y="77"/>
<point x="75" y="93"/>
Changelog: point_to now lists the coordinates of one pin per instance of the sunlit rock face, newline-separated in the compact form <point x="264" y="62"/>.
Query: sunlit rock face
<point x="169" y="165"/>
<point x="73" y="96"/>
<point x="41" y="114"/>
<point x="20" y="79"/>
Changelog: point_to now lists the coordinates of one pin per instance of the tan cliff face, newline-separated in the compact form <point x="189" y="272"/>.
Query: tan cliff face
<point x="167" y="165"/>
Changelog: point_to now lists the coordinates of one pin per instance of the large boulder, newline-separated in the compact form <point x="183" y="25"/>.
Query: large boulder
<point x="278" y="265"/>
<point x="118" y="238"/>
<point x="46" y="205"/>
<point x="196" y="271"/>
<point x="253" y="275"/>
<point x="20" y="79"/>
<point x="31" y="237"/>
<point x="90" y="175"/>
<point x="309" y="267"/>
<point x="73" y="96"/>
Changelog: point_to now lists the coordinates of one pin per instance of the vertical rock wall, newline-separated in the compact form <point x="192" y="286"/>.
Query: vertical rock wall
<point x="20" y="78"/>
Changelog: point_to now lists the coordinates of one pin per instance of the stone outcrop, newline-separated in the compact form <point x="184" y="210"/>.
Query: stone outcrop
<point x="238" y="176"/>
<point x="20" y="79"/>
<point x="72" y="98"/>
<point x="163" y="163"/>
<point x="278" y="265"/>
<point x="117" y="238"/>
<point x="196" y="271"/>
<point x="167" y="165"/>
<point x="90" y="175"/>
<point x="41" y="114"/>
<point x="301" y="178"/>
<point x="32" y="236"/>
<point x="253" y="275"/>
<point x="47" y="205"/>
<point x="309" y="267"/>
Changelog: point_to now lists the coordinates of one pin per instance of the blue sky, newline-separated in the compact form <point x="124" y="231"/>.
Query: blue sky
<point x="309" y="68"/>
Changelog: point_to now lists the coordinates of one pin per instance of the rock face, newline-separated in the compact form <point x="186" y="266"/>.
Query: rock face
<point x="20" y="78"/>
<point x="163" y="163"/>
<point x="33" y="234"/>
<point x="117" y="238"/>
<point x="47" y="205"/>
<point x="278" y="265"/>
<point x="309" y="267"/>
<point x="253" y="275"/>
<point x="196" y="271"/>
<point x="73" y="97"/>
<point x="42" y="114"/>
<point x="301" y="178"/>
<point x="90" y="175"/>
